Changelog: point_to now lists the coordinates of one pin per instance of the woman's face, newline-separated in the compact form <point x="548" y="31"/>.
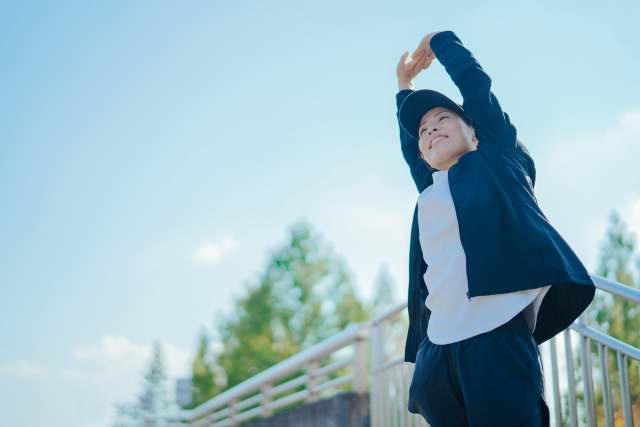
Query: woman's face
<point x="444" y="138"/>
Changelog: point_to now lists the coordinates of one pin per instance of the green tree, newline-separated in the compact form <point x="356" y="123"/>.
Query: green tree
<point x="248" y="338"/>
<point x="616" y="316"/>
<point x="304" y="296"/>
<point x="153" y="399"/>
<point x="205" y="376"/>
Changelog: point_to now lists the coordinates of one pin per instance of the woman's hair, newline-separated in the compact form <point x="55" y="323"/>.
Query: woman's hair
<point x="466" y="119"/>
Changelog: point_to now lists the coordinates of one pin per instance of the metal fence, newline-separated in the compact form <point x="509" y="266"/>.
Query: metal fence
<point x="318" y="371"/>
<point x="583" y="387"/>
<point x="572" y="383"/>
<point x="595" y="370"/>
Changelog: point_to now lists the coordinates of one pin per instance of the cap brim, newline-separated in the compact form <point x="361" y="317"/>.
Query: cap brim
<point x="418" y="103"/>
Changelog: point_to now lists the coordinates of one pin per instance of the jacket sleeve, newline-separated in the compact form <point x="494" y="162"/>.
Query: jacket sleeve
<point x="420" y="172"/>
<point x="419" y="314"/>
<point x="491" y="124"/>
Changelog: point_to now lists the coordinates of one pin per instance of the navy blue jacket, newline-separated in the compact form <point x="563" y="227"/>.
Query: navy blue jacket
<point x="508" y="242"/>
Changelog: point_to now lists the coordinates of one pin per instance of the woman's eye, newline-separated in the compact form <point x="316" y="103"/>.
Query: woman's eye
<point x="443" y="117"/>
<point x="423" y="131"/>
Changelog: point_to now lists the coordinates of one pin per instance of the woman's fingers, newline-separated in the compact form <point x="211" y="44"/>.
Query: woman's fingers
<point x="408" y="70"/>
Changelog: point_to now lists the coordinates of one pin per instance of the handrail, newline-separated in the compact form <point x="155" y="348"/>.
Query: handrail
<point x="627" y="292"/>
<point x="390" y="375"/>
<point x="609" y="341"/>
<point x="356" y="332"/>
<point x="390" y="312"/>
<point x="618" y="289"/>
<point x="235" y="404"/>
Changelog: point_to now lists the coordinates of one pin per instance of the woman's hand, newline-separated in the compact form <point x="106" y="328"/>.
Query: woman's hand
<point x="425" y="46"/>
<point x="407" y="71"/>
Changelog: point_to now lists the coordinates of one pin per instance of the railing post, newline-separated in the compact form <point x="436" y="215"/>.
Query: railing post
<point x="606" y="384"/>
<point x="360" y="366"/>
<point x="571" y="400"/>
<point x="379" y="386"/>
<point x="557" y="406"/>
<point x="587" y="380"/>
<point x="234" y="411"/>
<point x="266" y="399"/>
<point x="312" y="367"/>
<point x="624" y="390"/>
<point x="375" y="362"/>
<point x="388" y="389"/>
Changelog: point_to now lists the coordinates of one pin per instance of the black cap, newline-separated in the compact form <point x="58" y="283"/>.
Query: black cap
<point x="418" y="103"/>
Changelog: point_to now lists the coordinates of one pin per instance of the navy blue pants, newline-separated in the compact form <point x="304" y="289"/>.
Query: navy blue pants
<point x="493" y="379"/>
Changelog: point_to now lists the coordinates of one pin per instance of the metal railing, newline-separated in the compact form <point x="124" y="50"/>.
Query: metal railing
<point x="571" y="396"/>
<point x="626" y="356"/>
<point x="391" y="376"/>
<point x="265" y="393"/>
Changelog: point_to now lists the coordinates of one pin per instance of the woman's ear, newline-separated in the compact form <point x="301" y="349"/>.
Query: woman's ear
<point x="473" y="135"/>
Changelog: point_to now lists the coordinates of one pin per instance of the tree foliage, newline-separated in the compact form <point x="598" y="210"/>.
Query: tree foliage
<point x="394" y="327"/>
<point x="153" y="399"/>
<point x="304" y="296"/>
<point x="384" y="298"/>
<point x="206" y="378"/>
<point x="616" y="316"/>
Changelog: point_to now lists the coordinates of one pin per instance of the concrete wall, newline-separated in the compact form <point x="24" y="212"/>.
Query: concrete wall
<point x="347" y="409"/>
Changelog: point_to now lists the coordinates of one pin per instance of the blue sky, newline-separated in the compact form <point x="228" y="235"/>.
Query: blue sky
<point x="153" y="153"/>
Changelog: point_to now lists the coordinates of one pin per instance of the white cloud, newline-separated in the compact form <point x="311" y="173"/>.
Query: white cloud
<point x="115" y="352"/>
<point x="114" y="355"/>
<point x="31" y="370"/>
<point x="581" y="179"/>
<point x="22" y="369"/>
<point x="118" y="353"/>
<point x="213" y="252"/>
<point x="104" y="421"/>
<point x="630" y="213"/>
<point x="110" y="372"/>
<point x="177" y="360"/>
<point x="122" y="364"/>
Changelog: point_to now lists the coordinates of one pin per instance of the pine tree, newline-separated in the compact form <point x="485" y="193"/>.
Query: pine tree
<point x="154" y="398"/>
<point x="152" y="401"/>
<point x="304" y="296"/>
<point x="384" y="298"/>
<point x="395" y="327"/>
